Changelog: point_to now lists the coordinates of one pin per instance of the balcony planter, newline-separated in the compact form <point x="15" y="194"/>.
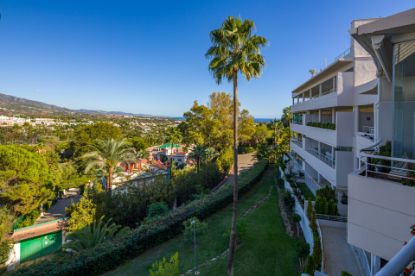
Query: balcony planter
<point x="322" y="125"/>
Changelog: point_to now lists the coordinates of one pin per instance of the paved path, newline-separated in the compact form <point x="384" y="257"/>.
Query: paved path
<point x="338" y="255"/>
<point x="245" y="161"/>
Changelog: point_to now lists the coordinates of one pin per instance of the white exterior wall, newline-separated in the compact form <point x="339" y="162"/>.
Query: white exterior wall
<point x="14" y="256"/>
<point x="380" y="214"/>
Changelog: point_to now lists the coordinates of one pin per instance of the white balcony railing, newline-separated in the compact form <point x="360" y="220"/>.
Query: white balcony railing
<point x="385" y="167"/>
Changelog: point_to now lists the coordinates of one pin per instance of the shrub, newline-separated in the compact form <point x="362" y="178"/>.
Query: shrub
<point x="289" y="201"/>
<point x="166" y="267"/>
<point x="345" y="273"/>
<point x="157" y="209"/>
<point x="5" y="247"/>
<point x="111" y="254"/>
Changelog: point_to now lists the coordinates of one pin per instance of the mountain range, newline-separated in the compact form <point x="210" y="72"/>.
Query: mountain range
<point x="12" y="106"/>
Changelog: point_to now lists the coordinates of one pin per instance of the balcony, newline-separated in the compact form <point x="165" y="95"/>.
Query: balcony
<point x="380" y="209"/>
<point x="336" y="91"/>
<point x="399" y="170"/>
<point x="297" y="142"/>
<point x="326" y="158"/>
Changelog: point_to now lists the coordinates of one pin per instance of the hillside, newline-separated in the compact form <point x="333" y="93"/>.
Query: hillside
<point x="12" y="106"/>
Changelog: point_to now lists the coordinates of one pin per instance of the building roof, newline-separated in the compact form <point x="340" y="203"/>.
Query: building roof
<point x="399" y="23"/>
<point x="169" y="145"/>
<point x="332" y="68"/>
<point x="375" y="37"/>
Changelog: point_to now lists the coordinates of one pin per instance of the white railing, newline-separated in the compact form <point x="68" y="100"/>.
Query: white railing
<point x="386" y="167"/>
<point x="329" y="161"/>
<point x="399" y="262"/>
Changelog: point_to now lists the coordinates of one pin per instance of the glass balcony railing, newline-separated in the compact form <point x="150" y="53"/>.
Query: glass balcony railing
<point x="323" y="157"/>
<point x="297" y="142"/>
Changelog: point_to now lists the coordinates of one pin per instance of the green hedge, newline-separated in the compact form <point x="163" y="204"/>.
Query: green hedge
<point x="110" y="255"/>
<point x="322" y="125"/>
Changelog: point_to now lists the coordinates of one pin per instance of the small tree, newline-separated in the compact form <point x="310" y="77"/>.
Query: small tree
<point x="81" y="214"/>
<point x="198" y="226"/>
<point x="166" y="267"/>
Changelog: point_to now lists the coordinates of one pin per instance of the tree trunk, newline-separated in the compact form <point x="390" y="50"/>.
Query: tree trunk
<point x="232" y="240"/>
<point x="109" y="182"/>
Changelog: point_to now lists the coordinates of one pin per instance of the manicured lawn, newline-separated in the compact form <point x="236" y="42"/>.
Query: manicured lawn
<point x="306" y="191"/>
<point x="265" y="249"/>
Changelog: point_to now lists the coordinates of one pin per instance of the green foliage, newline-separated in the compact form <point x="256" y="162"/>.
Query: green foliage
<point x="310" y="266"/>
<point x="246" y="128"/>
<point x="345" y="273"/>
<point x="94" y="234"/>
<point x="193" y="224"/>
<point x="81" y="214"/>
<point x="289" y="200"/>
<point x="25" y="180"/>
<point x="27" y="220"/>
<point x="86" y="135"/>
<point x="6" y="221"/>
<point x="106" y="155"/>
<point x="225" y="160"/>
<point x="166" y="267"/>
<point x="326" y="202"/>
<point x="322" y="125"/>
<point x="296" y="218"/>
<point x="108" y="255"/>
<point x="157" y="209"/>
<point x="5" y="248"/>
<point x="303" y="248"/>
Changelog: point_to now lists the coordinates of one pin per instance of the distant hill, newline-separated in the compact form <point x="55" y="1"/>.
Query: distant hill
<point x="11" y="105"/>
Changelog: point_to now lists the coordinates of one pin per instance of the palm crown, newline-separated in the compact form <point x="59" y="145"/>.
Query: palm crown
<point x="107" y="154"/>
<point x="234" y="48"/>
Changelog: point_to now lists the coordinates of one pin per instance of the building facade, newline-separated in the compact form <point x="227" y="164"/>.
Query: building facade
<point x="354" y="129"/>
<point x="329" y="111"/>
<point x="381" y="190"/>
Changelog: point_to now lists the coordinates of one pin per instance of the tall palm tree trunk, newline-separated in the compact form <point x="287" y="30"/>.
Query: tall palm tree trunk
<point x="109" y="182"/>
<point x="232" y="240"/>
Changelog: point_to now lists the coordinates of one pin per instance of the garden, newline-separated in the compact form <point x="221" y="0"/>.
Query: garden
<point x="263" y="246"/>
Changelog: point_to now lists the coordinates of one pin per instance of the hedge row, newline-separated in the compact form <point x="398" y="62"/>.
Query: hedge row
<point x="110" y="255"/>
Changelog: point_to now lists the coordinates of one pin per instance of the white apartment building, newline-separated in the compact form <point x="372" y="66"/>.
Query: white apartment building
<point x="333" y="116"/>
<point x="381" y="190"/>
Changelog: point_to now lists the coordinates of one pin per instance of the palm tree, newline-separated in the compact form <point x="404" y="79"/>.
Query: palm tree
<point x="106" y="156"/>
<point x="197" y="154"/>
<point x="94" y="234"/>
<point x="235" y="49"/>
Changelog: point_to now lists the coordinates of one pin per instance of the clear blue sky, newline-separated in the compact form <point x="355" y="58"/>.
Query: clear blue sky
<point x="148" y="56"/>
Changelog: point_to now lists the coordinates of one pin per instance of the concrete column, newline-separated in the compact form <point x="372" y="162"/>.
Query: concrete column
<point x="374" y="264"/>
<point x="333" y="115"/>
<point x="319" y="90"/>
<point x="319" y="115"/>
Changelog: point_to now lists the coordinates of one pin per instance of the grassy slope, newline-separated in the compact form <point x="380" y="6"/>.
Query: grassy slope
<point x="266" y="249"/>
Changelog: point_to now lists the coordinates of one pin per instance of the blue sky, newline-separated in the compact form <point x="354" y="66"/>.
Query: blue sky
<point x="148" y="56"/>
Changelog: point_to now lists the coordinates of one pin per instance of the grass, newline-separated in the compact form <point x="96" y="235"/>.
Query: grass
<point x="265" y="249"/>
<point x="306" y="191"/>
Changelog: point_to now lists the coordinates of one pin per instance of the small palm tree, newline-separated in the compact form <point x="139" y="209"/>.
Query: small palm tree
<point x="197" y="154"/>
<point x="235" y="49"/>
<point x="94" y="234"/>
<point x="106" y="156"/>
